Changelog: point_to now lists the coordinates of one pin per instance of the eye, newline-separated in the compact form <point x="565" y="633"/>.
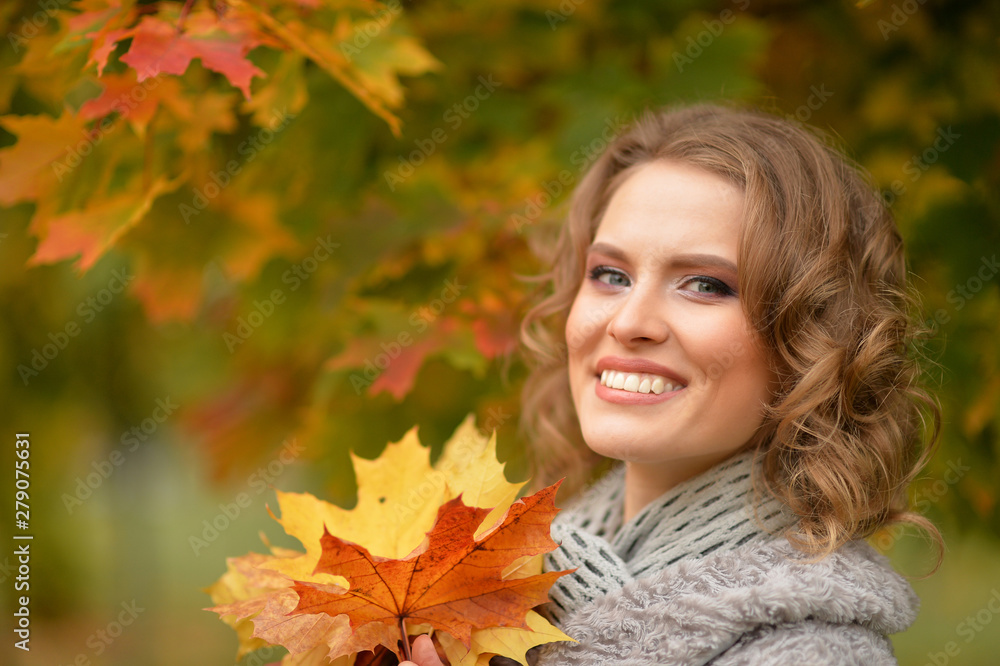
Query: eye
<point x="710" y="286"/>
<point x="613" y="277"/>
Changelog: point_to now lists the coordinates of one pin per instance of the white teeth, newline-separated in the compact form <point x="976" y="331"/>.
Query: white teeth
<point x="636" y="382"/>
<point x="631" y="383"/>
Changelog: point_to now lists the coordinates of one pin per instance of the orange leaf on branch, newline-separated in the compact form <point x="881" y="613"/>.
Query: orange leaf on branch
<point x="103" y="24"/>
<point x="117" y="97"/>
<point x="90" y="231"/>
<point x="26" y="168"/>
<point x="398" y="376"/>
<point x="453" y="582"/>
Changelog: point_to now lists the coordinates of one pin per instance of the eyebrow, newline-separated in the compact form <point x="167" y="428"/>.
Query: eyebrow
<point x="680" y="260"/>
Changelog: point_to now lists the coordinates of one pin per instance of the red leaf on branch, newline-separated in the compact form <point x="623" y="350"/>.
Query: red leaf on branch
<point x="158" y="47"/>
<point x="90" y="231"/>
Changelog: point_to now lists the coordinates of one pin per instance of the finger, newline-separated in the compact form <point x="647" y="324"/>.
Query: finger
<point x="424" y="653"/>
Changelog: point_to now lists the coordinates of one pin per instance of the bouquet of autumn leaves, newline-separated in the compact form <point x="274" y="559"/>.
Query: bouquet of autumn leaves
<point x="441" y="549"/>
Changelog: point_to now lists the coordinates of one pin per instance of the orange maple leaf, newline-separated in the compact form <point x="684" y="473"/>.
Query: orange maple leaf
<point x="26" y="168"/>
<point x="453" y="582"/>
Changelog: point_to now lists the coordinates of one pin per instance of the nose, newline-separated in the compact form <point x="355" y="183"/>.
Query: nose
<point x="640" y="317"/>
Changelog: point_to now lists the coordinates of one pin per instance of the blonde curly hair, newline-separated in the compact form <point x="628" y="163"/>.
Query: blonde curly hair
<point x="823" y="282"/>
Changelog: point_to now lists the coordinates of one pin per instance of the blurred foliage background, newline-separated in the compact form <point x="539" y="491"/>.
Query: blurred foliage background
<point x="204" y="294"/>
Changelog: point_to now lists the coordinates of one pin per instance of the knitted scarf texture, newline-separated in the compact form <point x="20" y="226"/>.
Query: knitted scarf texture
<point x="710" y="513"/>
<point x="703" y="576"/>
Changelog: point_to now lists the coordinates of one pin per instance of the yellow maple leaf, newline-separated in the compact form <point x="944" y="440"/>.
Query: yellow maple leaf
<point x="507" y="641"/>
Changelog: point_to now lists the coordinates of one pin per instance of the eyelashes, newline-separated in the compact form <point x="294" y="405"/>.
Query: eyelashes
<point x="719" y="288"/>
<point x="597" y="272"/>
<point x="723" y="288"/>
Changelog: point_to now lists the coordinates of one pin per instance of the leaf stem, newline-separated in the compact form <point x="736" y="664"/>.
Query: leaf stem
<point x="147" y="157"/>
<point x="406" y="640"/>
<point x="184" y="12"/>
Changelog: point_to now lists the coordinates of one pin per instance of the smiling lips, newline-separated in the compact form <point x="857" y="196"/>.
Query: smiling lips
<point x="635" y="381"/>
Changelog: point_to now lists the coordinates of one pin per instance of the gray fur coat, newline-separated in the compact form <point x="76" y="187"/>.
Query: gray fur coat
<point x="760" y="603"/>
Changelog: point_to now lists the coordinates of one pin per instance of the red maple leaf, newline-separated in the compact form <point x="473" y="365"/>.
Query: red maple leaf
<point x="453" y="582"/>
<point x="160" y="46"/>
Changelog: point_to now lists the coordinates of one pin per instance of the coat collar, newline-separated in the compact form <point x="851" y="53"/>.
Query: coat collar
<point x="691" y="612"/>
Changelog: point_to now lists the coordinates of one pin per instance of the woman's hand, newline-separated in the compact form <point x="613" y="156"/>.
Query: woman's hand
<point x="423" y="653"/>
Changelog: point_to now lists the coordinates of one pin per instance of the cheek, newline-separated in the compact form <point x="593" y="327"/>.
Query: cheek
<point x="746" y="378"/>
<point x="714" y="349"/>
<point x="569" y="334"/>
<point x="727" y="358"/>
<point x="576" y="347"/>
<point x="581" y="326"/>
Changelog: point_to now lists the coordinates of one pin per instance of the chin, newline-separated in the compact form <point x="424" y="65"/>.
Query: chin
<point x="623" y="445"/>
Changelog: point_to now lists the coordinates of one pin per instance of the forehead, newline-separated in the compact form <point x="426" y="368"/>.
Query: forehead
<point x="667" y="206"/>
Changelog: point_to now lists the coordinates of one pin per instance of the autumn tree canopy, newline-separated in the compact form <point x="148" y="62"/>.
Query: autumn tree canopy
<point x="231" y="226"/>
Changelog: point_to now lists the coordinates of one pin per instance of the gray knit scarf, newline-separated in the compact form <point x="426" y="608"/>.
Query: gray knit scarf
<point x="711" y="512"/>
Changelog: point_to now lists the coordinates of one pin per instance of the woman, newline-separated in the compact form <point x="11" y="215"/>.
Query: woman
<point x="729" y="318"/>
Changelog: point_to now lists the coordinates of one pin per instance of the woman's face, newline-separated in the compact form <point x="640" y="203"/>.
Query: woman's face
<point x="661" y="364"/>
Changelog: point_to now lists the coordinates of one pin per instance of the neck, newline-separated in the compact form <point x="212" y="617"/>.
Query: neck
<point x="644" y="482"/>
